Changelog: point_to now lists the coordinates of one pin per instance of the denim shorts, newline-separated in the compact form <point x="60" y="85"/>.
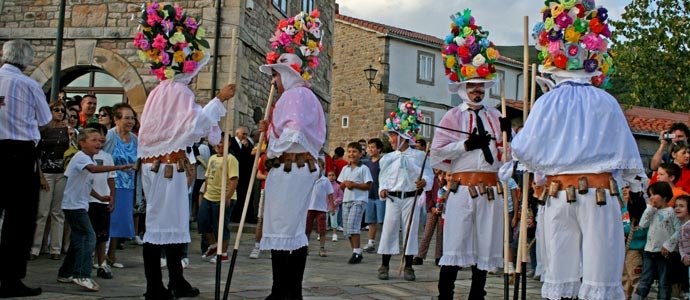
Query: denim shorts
<point x="376" y="211"/>
<point x="209" y="213"/>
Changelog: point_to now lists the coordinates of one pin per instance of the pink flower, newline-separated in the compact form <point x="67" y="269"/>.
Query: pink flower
<point x="284" y="39"/>
<point x="160" y="73"/>
<point x="469" y="40"/>
<point x="563" y="20"/>
<point x="141" y="42"/>
<point x="159" y="42"/>
<point x="313" y="62"/>
<point x="178" y="12"/>
<point x="153" y="20"/>
<point x="452" y="48"/>
<point x="189" y="66"/>
<point x="592" y="41"/>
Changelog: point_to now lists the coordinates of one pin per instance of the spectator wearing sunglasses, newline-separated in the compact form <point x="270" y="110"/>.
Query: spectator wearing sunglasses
<point x="105" y="117"/>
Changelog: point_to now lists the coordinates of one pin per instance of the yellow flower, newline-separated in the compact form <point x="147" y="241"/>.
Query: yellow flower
<point x="491" y="53"/>
<point x="197" y="55"/>
<point x="200" y="33"/>
<point x="556" y="10"/>
<point x="147" y="28"/>
<point x="468" y="71"/>
<point x="178" y="56"/>
<point x="311" y="44"/>
<point x="298" y="25"/>
<point x="306" y="76"/>
<point x="450" y="62"/>
<point x="142" y="55"/>
<point x="169" y="72"/>
<point x="466" y="31"/>
<point x="178" y="37"/>
<point x="165" y="13"/>
<point x="604" y="67"/>
<point x="548" y="23"/>
<point x="571" y="35"/>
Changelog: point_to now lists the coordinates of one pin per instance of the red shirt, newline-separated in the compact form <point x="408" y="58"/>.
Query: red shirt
<point x="683" y="181"/>
<point x="262" y="169"/>
<point x="339" y="164"/>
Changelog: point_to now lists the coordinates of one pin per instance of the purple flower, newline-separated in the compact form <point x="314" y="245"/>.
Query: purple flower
<point x="466" y="60"/>
<point x="563" y="20"/>
<point x="165" y="58"/>
<point x="452" y="49"/>
<point x="591" y="65"/>
<point x="191" y="23"/>
<point x="167" y="26"/>
<point x="602" y="14"/>
<point x="555" y="35"/>
<point x="546" y="14"/>
<point x="152" y="9"/>
<point x="474" y="50"/>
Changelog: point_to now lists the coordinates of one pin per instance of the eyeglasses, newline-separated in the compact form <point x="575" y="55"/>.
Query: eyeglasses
<point x="103" y="115"/>
<point x="60" y="110"/>
<point x="73" y="117"/>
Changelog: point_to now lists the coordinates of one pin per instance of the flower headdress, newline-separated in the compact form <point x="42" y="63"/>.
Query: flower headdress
<point x="467" y="52"/>
<point x="405" y="120"/>
<point x="299" y="35"/>
<point x="172" y="42"/>
<point x="573" y="36"/>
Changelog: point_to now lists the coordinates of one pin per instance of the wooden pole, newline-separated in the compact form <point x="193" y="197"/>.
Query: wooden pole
<point x="224" y="167"/>
<point x="414" y="206"/>
<point x="506" y="216"/>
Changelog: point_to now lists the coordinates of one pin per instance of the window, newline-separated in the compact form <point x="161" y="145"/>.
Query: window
<point x="425" y="68"/>
<point x="426" y="129"/>
<point x="496" y="89"/>
<point x="281" y="5"/>
<point x="345" y="122"/>
<point x="307" y="5"/>
<point x="107" y="89"/>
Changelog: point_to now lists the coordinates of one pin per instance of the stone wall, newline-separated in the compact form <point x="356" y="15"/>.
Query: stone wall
<point x="99" y="33"/>
<point x="356" y="49"/>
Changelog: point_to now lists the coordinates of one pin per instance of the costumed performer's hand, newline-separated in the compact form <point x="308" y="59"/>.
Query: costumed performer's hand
<point x="263" y="126"/>
<point x="226" y="92"/>
<point x="383" y="194"/>
<point x="506" y="127"/>
<point x="420" y="184"/>
<point x="477" y="141"/>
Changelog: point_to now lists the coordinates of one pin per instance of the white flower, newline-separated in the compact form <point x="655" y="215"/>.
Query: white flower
<point x="290" y="29"/>
<point x="305" y="50"/>
<point x="459" y="40"/>
<point x="314" y="30"/>
<point x="478" y="60"/>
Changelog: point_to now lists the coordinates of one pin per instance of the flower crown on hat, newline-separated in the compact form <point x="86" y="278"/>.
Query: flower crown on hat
<point x="573" y="35"/>
<point x="467" y="52"/>
<point x="299" y="35"/>
<point x="405" y="119"/>
<point x="172" y="42"/>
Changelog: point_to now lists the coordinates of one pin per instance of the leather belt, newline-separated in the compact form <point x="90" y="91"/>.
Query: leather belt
<point x="600" y="180"/>
<point x="170" y="158"/>
<point x="402" y="195"/>
<point x="474" y="178"/>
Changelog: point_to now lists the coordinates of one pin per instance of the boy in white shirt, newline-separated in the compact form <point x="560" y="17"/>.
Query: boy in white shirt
<point x="76" y="267"/>
<point x="355" y="180"/>
<point x="321" y="202"/>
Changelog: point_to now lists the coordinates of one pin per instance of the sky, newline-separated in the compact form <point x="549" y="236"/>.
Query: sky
<point x="504" y="19"/>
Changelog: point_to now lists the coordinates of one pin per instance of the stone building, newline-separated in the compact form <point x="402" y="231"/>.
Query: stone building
<point x="99" y="56"/>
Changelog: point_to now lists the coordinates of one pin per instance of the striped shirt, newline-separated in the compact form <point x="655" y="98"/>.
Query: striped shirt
<point x="25" y="107"/>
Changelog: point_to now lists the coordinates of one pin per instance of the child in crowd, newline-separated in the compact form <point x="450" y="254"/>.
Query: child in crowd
<point x="355" y="180"/>
<point x="321" y="201"/>
<point x="662" y="224"/>
<point x="99" y="211"/>
<point x="209" y="208"/>
<point x="76" y="267"/>
<point x="670" y="173"/>
<point x="635" y="237"/>
<point x="376" y="209"/>
<point x="434" y="221"/>
<point x="681" y="210"/>
<point x="337" y="201"/>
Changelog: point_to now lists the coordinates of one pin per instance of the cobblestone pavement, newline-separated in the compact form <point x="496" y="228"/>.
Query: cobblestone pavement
<point x="325" y="277"/>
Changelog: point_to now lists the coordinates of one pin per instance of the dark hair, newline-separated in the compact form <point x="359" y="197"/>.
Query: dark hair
<point x="377" y="141"/>
<point x="117" y="109"/>
<point x="88" y="96"/>
<point x="422" y="142"/>
<point x="680" y="126"/>
<point x="662" y="189"/>
<point x="636" y="206"/>
<point x="355" y="145"/>
<point x="362" y="140"/>
<point x="78" y="99"/>
<point x="98" y="126"/>
<point x="339" y="152"/>
<point x="73" y="103"/>
<point x="672" y="169"/>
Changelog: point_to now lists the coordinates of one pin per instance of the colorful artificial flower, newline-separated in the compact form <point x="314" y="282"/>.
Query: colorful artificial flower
<point x="303" y="32"/>
<point x="467" y="52"/>
<point x="405" y="119"/>
<point x="170" y="41"/>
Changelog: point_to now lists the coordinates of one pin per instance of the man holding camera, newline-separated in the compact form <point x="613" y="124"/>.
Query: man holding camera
<point x="678" y="132"/>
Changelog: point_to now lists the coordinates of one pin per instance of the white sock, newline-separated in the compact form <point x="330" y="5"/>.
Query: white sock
<point x="357" y="250"/>
<point x="256" y="245"/>
<point x="372" y="242"/>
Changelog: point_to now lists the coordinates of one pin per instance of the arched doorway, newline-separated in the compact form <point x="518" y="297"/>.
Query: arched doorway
<point x="94" y="81"/>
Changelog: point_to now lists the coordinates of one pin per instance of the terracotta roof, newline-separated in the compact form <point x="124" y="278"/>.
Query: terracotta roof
<point x="387" y="29"/>
<point x="641" y="120"/>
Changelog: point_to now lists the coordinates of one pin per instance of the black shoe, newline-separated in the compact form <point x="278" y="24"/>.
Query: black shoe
<point x="185" y="293"/>
<point x="18" y="289"/>
<point x="163" y="294"/>
<point x="355" y="259"/>
<point x="417" y="261"/>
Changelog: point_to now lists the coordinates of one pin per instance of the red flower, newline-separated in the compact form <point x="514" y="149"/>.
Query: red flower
<point x="561" y="61"/>
<point x="392" y="114"/>
<point x="473" y="27"/>
<point x="596" y="26"/>
<point x="492" y="68"/>
<point x="454" y="77"/>
<point x="455" y="31"/>
<point x="580" y="10"/>
<point x="483" y="71"/>
<point x="282" y="24"/>
<point x="297" y="68"/>
<point x="315" y="14"/>
<point x="290" y="50"/>
<point x="298" y="37"/>
<point x="464" y="51"/>
<point x="271" y="57"/>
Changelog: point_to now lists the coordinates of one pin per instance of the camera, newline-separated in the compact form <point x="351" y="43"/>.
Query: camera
<point x="669" y="136"/>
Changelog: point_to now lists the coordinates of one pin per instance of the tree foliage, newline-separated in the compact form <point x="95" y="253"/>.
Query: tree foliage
<point x="652" y="54"/>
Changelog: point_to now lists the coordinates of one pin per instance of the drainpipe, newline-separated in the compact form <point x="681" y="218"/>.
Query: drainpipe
<point x="216" y="47"/>
<point x="57" y="67"/>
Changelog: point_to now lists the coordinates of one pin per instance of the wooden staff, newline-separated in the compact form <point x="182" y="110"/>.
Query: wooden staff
<point x="224" y="171"/>
<point x="238" y="237"/>
<point x="506" y="217"/>
<point x="522" y="241"/>
<point x="414" y="206"/>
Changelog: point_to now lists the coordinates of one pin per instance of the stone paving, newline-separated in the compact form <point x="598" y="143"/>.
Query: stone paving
<point x="325" y="277"/>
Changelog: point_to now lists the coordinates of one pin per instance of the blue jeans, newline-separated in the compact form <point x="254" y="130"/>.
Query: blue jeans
<point x="209" y="214"/>
<point x="654" y="265"/>
<point x="77" y="263"/>
<point x="375" y="211"/>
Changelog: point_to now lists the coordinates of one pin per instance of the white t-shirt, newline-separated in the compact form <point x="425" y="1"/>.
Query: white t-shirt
<point x="319" y="195"/>
<point x="100" y="180"/>
<point x="358" y="174"/>
<point x="79" y="182"/>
